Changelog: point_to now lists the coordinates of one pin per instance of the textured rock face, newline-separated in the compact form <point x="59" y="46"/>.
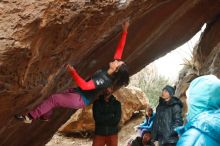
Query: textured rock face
<point x="182" y="86"/>
<point x="206" y="59"/>
<point x="132" y="99"/>
<point x="38" y="36"/>
<point x="207" y="54"/>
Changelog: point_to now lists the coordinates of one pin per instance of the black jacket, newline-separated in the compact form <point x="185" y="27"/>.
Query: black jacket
<point x="138" y="142"/>
<point x="101" y="80"/>
<point x="168" y="117"/>
<point x="107" y="115"/>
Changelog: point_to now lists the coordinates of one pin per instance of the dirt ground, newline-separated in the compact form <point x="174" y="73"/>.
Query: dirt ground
<point x="126" y="133"/>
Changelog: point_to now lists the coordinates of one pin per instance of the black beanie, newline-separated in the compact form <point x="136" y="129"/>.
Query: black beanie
<point x="169" y="89"/>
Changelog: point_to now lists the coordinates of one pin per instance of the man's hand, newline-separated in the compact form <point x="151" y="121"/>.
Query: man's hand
<point x="125" y="26"/>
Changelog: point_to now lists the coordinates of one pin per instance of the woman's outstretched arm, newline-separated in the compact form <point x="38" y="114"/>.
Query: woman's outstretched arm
<point x="121" y="44"/>
<point x="84" y="85"/>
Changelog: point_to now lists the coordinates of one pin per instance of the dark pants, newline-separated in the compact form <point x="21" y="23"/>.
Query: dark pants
<point x="111" y="140"/>
<point x="167" y="144"/>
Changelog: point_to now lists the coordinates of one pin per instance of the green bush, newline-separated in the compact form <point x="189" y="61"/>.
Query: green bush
<point x="151" y="83"/>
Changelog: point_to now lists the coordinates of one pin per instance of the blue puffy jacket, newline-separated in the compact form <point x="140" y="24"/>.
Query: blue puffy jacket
<point x="203" y="126"/>
<point x="148" y="123"/>
<point x="203" y="130"/>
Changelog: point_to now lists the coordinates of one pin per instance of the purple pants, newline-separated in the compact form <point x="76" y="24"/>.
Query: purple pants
<point x="67" y="99"/>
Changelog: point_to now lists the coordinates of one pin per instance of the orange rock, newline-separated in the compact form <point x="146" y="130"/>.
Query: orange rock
<point x="37" y="37"/>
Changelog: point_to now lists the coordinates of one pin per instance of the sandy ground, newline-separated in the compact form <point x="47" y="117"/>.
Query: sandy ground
<point x="126" y="133"/>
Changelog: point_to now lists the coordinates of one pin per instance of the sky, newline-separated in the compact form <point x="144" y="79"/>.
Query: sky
<point x="170" y="64"/>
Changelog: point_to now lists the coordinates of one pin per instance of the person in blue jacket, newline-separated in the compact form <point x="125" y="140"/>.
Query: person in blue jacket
<point x="148" y="122"/>
<point x="203" y="117"/>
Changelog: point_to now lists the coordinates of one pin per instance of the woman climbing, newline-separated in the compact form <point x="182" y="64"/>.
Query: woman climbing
<point x="115" y="76"/>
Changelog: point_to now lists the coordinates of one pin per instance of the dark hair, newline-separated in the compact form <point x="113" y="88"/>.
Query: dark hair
<point x="145" y="132"/>
<point x="120" y="77"/>
<point x="150" y="108"/>
<point x="169" y="89"/>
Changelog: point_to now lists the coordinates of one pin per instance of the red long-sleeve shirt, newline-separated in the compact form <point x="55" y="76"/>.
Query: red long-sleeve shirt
<point x="120" y="47"/>
<point x="90" y="85"/>
<point x="84" y="85"/>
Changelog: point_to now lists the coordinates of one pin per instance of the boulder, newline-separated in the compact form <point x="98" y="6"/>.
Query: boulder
<point x="37" y="37"/>
<point x="206" y="59"/>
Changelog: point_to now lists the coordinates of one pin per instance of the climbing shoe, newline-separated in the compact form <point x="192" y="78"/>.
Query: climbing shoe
<point x="44" y="119"/>
<point x="24" y="118"/>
